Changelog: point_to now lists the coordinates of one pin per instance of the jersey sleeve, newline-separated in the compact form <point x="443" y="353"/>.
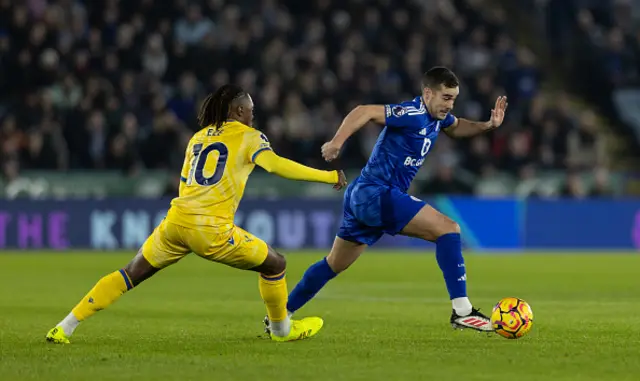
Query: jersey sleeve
<point x="398" y="115"/>
<point x="448" y="121"/>
<point x="290" y="169"/>
<point x="258" y="143"/>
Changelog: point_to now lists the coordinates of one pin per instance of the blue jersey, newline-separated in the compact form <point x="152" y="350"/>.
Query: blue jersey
<point x="403" y="144"/>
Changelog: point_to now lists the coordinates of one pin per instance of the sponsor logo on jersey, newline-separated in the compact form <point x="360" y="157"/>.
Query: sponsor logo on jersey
<point x="411" y="162"/>
<point x="423" y="132"/>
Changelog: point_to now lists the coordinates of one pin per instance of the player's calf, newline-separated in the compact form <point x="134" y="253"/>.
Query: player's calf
<point x="431" y="225"/>
<point x="342" y="255"/>
<point x="139" y="269"/>
<point x="273" y="290"/>
<point x="108" y="289"/>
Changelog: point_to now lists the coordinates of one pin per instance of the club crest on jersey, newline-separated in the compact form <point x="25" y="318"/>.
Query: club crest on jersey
<point x="398" y="111"/>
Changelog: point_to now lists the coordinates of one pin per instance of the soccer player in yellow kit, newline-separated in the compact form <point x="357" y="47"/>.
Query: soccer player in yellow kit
<point x="218" y="161"/>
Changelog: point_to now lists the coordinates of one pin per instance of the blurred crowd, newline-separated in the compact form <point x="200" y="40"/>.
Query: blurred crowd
<point x="111" y="84"/>
<point x="602" y="35"/>
<point x="597" y="42"/>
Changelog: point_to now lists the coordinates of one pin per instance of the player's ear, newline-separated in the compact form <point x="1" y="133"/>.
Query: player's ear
<point x="238" y="110"/>
<point x="426" y="92"/>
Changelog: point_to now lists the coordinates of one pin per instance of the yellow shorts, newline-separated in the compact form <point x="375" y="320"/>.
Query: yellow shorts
<point x="236" y="248"/>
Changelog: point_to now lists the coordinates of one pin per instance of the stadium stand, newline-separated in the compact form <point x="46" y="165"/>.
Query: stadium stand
<point x="98" y="97"/>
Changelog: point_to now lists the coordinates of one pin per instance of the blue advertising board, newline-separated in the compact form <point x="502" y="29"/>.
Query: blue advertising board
<point x="582" y="224"/>
<point x="505" y="224"/>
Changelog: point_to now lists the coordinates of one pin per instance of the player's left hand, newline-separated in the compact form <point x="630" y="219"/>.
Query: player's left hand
<point x="330" y="150"/>
<point x="342" y="181"/>
<point x="498" y="112"/>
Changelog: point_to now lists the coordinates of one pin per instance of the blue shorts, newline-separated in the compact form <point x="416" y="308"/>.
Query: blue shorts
<point x="371" y="210"/>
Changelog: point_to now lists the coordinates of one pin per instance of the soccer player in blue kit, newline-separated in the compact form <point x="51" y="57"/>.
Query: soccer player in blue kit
<point x="377" y="202"/>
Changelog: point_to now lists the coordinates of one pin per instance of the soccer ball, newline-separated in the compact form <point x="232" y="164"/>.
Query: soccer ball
<point x="512" y="318"/>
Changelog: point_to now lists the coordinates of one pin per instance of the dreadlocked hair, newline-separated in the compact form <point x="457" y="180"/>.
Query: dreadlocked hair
<point x="215" y="107"/>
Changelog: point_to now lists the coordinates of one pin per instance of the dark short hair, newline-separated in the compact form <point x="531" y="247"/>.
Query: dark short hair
<point x="439" y="75"/>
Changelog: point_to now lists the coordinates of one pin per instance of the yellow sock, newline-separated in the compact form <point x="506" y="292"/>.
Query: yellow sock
<point x="103" y="294"/>
<point x="273" y="290"/>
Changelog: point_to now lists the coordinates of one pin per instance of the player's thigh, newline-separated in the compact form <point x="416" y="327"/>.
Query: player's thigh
<point x="239" y="249"/>
<point x="165" y="246"/>
<point x="344" y="253"/>
<point x="398" y="210"/>
<point x="356" y="226"/>
<point x="429" y="224"/>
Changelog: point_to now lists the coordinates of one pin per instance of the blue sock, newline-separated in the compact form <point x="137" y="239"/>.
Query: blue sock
<point x="451" y="262"/>
<point x="316" y="276"/>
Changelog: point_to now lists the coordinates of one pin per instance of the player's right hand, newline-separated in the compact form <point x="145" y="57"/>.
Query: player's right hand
<point x="342" y="181"/>
<point x="330" y="150"/>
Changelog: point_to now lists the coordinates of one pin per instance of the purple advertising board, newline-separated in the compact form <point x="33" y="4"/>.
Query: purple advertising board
<point x="125" y="223"/>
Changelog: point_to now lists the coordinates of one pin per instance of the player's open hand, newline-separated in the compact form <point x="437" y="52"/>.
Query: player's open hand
<point x="498" y="112"/>
<point x="330" y="150"/>
<point x="342" y="181"/>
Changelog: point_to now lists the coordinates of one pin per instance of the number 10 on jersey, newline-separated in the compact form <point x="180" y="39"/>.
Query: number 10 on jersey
<point x="200" y="157"/>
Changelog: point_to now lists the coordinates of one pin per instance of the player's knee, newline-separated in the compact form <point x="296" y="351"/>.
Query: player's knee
<point x="336" y="263"/>
<point x="448" y="227"/>
<point x="280" y="264"/>
<point x="275" y="264"/>
<point x="340" y="260"/>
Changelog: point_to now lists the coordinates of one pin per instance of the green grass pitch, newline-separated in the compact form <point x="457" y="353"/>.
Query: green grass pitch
<point x="387" y="318"/>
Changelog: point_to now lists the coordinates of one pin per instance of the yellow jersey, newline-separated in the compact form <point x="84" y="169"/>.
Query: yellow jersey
<point x="214" y="174"/>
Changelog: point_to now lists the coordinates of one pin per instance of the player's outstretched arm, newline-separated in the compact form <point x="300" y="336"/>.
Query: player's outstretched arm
<point x="289" y="169"/>
<point x="463" y="128"/>
<point x="354" y="121"/>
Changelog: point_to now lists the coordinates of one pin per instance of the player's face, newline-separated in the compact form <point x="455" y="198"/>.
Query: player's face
<point x="245" y="111"/>
<point x="440" y="101"/>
